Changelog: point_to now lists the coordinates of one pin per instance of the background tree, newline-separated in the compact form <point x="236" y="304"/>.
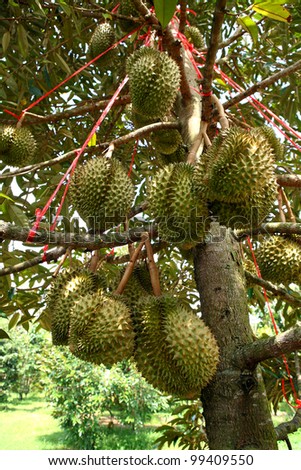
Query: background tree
<point x="248" y="48"/>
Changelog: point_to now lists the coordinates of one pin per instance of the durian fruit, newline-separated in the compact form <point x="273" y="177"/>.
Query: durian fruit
<point x="21" y="146"/>
<point x="101" y="192"/>
<point x="6" y="138"/>
<point x="66" y="289"/>
<point x="175" y="205"/>
<point x="194" y="35"/>
<point x="127" y="8"/>
<point x="166" y="141"/>
<point x="241" y="166"/>
<point x="101" y="329"/>
<point x="102" y="38"/>
<point x="180" y="155"/>
<point x="279" y="260"/>
<point x="154" y="80"/>
<point x="276" y="146"/>
<point x="175" y="352"/>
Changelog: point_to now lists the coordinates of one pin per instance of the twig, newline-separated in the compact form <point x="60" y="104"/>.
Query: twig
<point x="291" y="215"/>
<point x="280" y="205"/>
<point x="90" y="150"/>
<point x="153" y="269"/>
<point x="223" y="120"/>
<point x="208" y="69"/>
<point x="61" y="263"/>
<point x="263" y="84"/>
<point x="291" y="181"/>
<point x="130" y="266"/>
<point x="277" y="291"/>
<point x="50" y="256"/>
<point x="286" y="228"/>
<point x="183" y="15"/>
<point x="283" y="429"/>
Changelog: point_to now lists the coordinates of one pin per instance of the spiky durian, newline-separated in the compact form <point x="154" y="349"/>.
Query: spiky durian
<point x="238" y="165"/>
<point x="66" y="289"/>
<point x="166" y="141"/>
<point x="175" y="205"/>
<point x="276" y="146"/>
<point x="154" y="79"/>
<point x="101" y="329"/>
<point x="22" y="147"/>
<point x="176" y="352"/>
<point x="279" y="260"/>
<point x="180" y="155"/>
<point x="102" y="38"/>
<point x="6" y="138"/>
<point x="127" y="8"/>
<point x="195" y="36"/>
<point x="101" y="192"/>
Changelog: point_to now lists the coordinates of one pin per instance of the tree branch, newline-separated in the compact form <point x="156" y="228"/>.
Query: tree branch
<point x="283" y="429"/>
<point x="53" y="255"/>
<point x="76" y="240"/>
<point x="183" y="15"/>
<point x="208" y="69"/>
<point x="266" y="348"/>
<point x="284" y="228"/>
<point x="277" y="291"/>
<point x="263" y="84"/>
<point x="291" y="181"/>
<point x="141" y="132"/>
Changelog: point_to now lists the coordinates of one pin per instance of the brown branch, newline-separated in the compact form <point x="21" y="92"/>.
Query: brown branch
<point x="266" y="348"/>
<point x="263" y="84"/>
<point x="153" y="269"/>
<point x="130" y="267"/>
<point x="290" y="181"/>
<point x="290" y="213"/>
<point x="182" y="16"/>
<point x="75" y="240"/>
<point x="284" y="228"/>
<point x="53" y="255"/>
<point x="283" y="429"/>
<point x="90" y="150"/>
<point x="208" y="69"/>
<point x="277" y="291"/>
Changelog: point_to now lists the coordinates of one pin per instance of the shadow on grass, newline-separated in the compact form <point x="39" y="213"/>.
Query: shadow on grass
<point x="55" y="441"/>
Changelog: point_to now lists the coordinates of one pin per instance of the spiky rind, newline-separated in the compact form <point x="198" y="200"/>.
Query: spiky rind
<point x="22" y="148"/>
<point x="154" y="79"/>
<point x="66" y="289"/>
<point x="194" y="35"/>
<point x="176" y="352"/>
<point x="101" y="192"/>
<point x="174" y="203"/>
<point x="276" y="146"/>
<point x="102" y="38"/>
<point x="166" y="141"/>
<point x="279" y="260"/>
<point x="101" y="329"/>
<point x="6" y="139"/>
<point x="180" y="155"/>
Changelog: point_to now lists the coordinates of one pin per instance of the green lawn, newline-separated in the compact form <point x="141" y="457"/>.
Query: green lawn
<point x="28" y="425"/>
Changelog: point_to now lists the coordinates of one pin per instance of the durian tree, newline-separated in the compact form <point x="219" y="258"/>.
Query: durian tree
<point x="150" y="172"/>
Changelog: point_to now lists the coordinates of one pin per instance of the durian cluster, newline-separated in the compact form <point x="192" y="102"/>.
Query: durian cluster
<point x="279" y="259"/>
<point x="17" y="146"/>
<point x="173" y="349"/>
<point x="236" y="176"/>
<point x="102" y="193"/>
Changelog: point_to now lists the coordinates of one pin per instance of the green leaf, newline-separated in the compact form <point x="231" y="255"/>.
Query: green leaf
<point x="165" y="10"/>
<point x="6" y="197"/>
<point x="3" y="334"/>
<point x="13" y="321"/>
<point x="22" y="40"/>
<point x="273" y="10"/>
<point x="5" y="41"/>
<point x="61" y="63"/>
<point x="250" y="26"/>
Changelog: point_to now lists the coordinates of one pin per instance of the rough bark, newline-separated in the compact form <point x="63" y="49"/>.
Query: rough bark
<point x="236" y="408"/>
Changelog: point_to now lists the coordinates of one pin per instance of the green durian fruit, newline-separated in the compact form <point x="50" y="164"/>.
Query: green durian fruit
<point x="102" y="38"/>
<point x="279" y="260"/>
<point x="180" y="155"/>
<point x="154" y="80"/>
<point x="101" y="329"/>
<point x="22" y="147"/>
<point x="101" y="192"/>
<point x="175" y="352"/>
<point x="238" y="165"/>
<point x="166" y="141"/>
<point x="66" y="289"/>
<point x="276" y="146"/>
<point x="127" y="8"/>
<point x="175" y="205"/>
<point x="6" y="138"/>
<point x="194" y="35"/>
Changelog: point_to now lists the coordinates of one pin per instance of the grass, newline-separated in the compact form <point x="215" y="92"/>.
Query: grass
<point x="28" y="425"/>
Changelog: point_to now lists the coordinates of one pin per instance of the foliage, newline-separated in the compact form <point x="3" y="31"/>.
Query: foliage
<point x="186" y="430"/>
<point x="81" y="394"/>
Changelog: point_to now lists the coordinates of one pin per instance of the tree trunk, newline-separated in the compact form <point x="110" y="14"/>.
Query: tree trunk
<point x="236" y="408"/>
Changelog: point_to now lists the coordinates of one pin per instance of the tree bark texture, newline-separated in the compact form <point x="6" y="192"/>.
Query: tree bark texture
<point x="236" y="408"/>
